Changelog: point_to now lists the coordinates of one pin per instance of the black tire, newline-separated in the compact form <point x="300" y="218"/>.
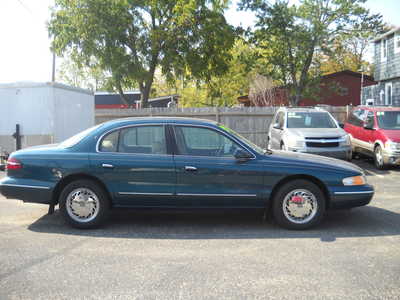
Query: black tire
<point x="378" y="158"/>
<point x="350" y="156"/>
<point x="354" y="154"/>
<point x="285" y="191"/>
<point x="103" y="201"/>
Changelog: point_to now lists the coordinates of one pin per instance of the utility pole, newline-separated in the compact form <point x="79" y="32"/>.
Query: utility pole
<point x="53" y="70"/>
<point x="362" y="84"/>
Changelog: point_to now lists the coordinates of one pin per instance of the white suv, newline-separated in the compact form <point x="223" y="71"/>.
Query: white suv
<point x="311" y="130"/>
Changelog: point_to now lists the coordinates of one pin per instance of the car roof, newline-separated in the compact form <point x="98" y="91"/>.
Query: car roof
<point x="378" y="108"/>
<point x="148" y="120"/>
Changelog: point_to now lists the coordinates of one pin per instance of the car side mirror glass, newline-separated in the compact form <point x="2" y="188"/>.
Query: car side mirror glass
<point x="276" y="126"/>
<point x="368" y="125"/>
<point x="341" y="125"/>
<point x="242" y="155"/>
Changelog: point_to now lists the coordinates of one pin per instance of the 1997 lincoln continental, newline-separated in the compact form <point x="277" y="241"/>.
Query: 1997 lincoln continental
<point x="179" y="163"/>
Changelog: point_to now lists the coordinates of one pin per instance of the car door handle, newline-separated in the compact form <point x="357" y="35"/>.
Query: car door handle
<point x="190" y="169"/>
<point x="107" y="166"/>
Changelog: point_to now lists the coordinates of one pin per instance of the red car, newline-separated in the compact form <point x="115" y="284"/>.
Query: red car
<point x="375" y="131"/>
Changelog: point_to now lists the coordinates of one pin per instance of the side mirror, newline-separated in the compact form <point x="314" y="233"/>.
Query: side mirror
<point x="341" y="125"/>
<point x="368" y="126"/>
<point x="276" y="126"/>
<point x="242" y="155"/>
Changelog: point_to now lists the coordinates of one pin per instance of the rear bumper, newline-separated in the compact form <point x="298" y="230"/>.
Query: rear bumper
<point x="32" y="191"/>
<point x="352" y="197"/>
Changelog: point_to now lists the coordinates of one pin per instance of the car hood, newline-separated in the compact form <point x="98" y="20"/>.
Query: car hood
<point x="393" y="135"/>
<point x="314" y="161"/>
<point x="317" y="132"/>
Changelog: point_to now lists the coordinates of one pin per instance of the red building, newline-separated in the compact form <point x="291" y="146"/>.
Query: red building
<point x="336" y="89"/>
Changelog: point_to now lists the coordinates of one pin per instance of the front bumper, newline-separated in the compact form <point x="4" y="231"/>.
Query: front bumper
<point x="391" y="157"/>
<point x="337" y="152"/>
<point x="348" y="197"/>
<point x="26" y="190"/>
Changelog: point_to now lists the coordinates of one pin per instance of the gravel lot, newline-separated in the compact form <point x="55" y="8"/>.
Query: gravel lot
<point x="180" y="255"/>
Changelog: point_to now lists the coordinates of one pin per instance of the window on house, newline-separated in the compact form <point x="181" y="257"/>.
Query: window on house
<point x="384" y="49"/>
<point x="397" y="42"/>
<point x="388" y="93"/>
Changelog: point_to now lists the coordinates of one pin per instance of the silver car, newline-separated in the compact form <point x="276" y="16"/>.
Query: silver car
<point x="310" y="130"/>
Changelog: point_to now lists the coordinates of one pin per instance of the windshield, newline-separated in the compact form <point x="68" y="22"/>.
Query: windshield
<point x="72" y="141"/>
<point x="243" y="139"/>
<point x="389" y="119"/>
<point x="310" y="120"/>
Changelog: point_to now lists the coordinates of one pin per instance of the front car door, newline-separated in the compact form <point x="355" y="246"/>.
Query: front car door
<point x="276" y="133"/>
<point x="208" y="175"/>
<point x="136" y="164"/>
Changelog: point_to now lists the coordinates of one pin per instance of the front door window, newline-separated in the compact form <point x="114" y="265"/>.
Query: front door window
<point x="198" y="141"/>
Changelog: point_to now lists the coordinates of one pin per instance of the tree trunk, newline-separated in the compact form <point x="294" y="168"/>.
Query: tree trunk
<point x="144" y="95"/>
<point x="123" y="97"/>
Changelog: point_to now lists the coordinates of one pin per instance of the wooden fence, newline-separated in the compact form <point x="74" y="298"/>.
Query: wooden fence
<point x="251" y="122"/>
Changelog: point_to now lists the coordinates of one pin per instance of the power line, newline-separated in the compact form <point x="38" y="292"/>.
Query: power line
<point x="26" y="8"/>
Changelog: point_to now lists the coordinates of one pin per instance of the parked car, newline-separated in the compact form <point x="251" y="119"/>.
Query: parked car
<point x="375" y="131"/>
<point x="310" y="130"/>
<point x="179" y="163"/>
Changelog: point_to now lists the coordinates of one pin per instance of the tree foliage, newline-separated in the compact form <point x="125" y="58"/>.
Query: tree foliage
<point x="131" y="39"/>
<point x="218" y="90"/>
<point x="293" y="35"/>
<point x="83" y="76"/>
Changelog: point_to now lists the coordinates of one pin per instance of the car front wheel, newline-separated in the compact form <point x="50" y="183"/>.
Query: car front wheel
<point x="378" y="158"/>
<point x="298" y="204"/>
<point x="84" y="204"/>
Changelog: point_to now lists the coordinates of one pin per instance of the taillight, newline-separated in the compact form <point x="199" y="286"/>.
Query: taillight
<point x="13" y="164"/>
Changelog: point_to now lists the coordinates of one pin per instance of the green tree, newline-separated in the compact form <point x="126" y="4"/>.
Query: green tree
<point x="131" y="39"/>
<point x="292" y="35"/>
<point x="218" y="90"/>
<point x="88" y="77"/>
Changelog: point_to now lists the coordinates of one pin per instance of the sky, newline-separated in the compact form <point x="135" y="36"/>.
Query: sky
<point x="25" y="46"/>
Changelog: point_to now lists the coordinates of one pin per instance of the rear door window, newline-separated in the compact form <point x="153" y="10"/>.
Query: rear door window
<point x="137" y="139"/>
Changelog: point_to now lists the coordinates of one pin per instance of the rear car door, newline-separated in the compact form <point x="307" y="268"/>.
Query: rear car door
<point x="368" y="135"/>
<point x="208" y="175"/>
<point x="136" y="164"/>
<point x="354" y="127"/>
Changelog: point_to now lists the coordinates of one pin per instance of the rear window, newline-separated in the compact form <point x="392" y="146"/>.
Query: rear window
<point x="389" y="120"/>
<point x="310" y="120"/>
<point x="72" y="141"/>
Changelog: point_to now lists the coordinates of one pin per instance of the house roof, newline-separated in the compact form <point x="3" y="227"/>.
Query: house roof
<point x="382" y="36"/>
<point x="134" y="92"/>
<point x="348" y="72"/>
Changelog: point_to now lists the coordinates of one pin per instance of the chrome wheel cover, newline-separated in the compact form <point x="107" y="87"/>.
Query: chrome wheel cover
<point x="379" y="157"/>
<point x="300" y="206"/>
<point x="82" y="205"/>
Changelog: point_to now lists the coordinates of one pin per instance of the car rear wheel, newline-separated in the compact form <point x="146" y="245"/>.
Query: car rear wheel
<point x="378" y="158"/>
<point x="84" y="204"/>
<point x="299" y="204"/>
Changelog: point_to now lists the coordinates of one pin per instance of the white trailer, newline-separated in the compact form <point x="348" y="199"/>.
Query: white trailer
<point x="46" y="113"/>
